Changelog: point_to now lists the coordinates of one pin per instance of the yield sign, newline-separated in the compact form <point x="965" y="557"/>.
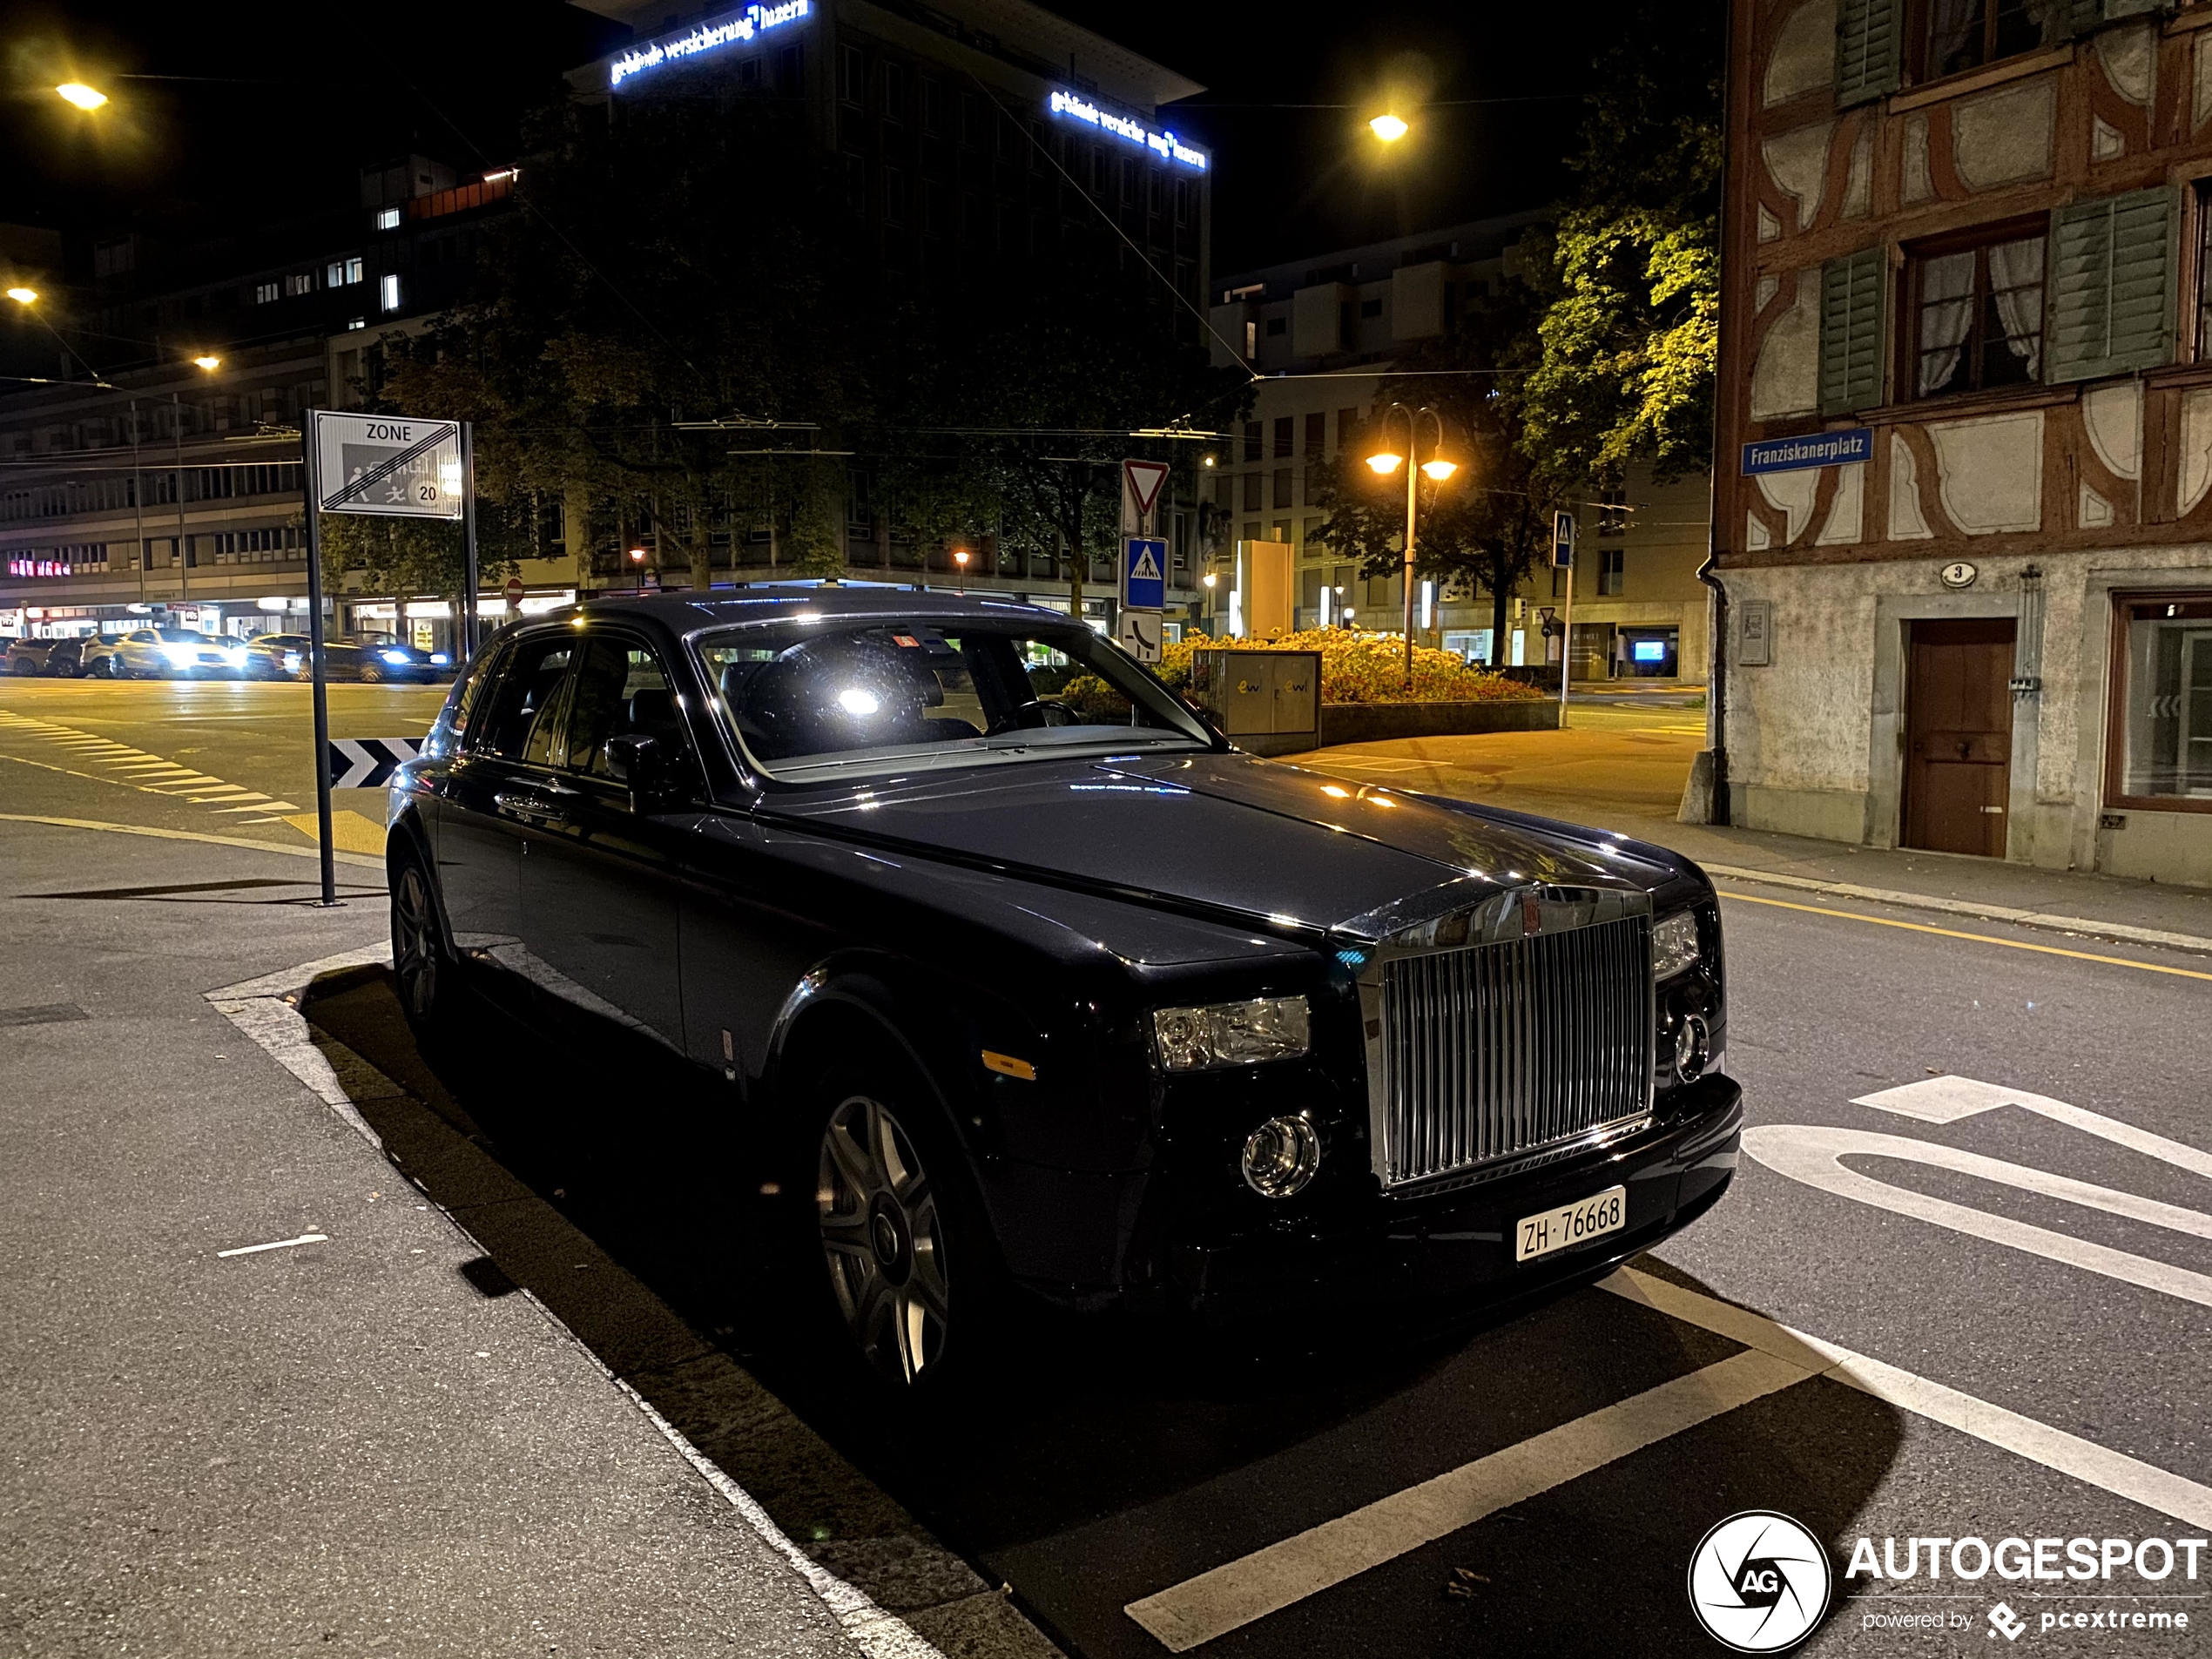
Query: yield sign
<point x="1141" y="484"/>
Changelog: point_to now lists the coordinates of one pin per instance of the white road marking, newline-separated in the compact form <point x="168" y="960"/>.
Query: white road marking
<point x="1282" y="1574"/>
<point x="2115" y="1471"/>
<point x="1814" y="1156"/>
<point x="1946" y="1100"/>
<point x="281" y="1244"/>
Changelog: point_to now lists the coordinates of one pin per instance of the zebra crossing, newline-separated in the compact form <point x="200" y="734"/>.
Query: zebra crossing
<point x="153" y="774"/>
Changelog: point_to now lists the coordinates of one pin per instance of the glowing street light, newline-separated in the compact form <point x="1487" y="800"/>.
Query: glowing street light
<point x="208" y="361"/>
<point x="959" y="557"/>
<point x="85" y="97"/>
<point x="22" y="296"/>
<point x="1437" y="469"/>
<point x="1388" y="128"/>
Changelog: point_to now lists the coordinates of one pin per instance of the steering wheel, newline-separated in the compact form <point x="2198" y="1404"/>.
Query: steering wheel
<point x="1048" y="714"/>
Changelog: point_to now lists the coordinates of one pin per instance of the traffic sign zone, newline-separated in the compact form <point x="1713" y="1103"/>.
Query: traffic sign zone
<point x="366" y="763"/>
<point x="1144" y="573"/>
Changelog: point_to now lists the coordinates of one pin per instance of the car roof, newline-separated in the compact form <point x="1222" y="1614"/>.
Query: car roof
<point x="688" y="611"/>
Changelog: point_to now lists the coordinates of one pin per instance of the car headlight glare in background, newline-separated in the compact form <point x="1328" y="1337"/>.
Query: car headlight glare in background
<point x="1230" y="1033"/>
<point x="1673" y="946"/>
<point x="180" y="654"/>
<point x="397" y="658"/>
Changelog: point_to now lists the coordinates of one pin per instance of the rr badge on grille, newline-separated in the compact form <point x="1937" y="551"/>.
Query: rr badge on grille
<point x="1532" y="915"/>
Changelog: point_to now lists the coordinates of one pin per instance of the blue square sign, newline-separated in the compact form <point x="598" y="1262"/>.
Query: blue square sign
<point x="1144" y="574"/>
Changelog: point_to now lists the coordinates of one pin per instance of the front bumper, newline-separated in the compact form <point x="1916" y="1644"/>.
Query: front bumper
<point x="1452" y="1247"/>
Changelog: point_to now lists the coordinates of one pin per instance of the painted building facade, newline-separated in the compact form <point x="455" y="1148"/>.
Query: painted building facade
<point x="1966" y="239"/>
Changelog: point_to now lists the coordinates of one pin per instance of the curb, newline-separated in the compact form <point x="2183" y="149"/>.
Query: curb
<point x="267" y="1010"/>
<point x="2119" y="933"/>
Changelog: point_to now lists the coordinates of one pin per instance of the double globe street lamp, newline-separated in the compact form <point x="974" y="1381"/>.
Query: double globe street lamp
<point x="1386" y="461"/>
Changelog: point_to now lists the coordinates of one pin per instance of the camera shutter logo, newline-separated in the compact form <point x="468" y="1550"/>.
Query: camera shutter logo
<point x="1759" y="1582"/>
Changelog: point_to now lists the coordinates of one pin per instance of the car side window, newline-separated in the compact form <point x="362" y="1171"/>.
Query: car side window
<point x="621" y="690"/>
<point x="516" y="725"/>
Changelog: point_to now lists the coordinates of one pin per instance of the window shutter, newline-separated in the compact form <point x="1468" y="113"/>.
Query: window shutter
<point x="1870" y="56"/>
<point x="2112" y="286"/>
<point x="1850" y="331"/>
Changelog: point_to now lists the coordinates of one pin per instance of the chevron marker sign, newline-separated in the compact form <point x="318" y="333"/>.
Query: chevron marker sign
<point x="367" y="763"/>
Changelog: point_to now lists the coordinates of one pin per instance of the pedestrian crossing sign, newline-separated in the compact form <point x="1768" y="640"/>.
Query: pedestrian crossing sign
<point x="1144" y="574"/>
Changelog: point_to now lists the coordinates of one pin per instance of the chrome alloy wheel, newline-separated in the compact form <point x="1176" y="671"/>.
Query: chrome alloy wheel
<point x="883" y="1235"/>
<point x="415" y="945"/>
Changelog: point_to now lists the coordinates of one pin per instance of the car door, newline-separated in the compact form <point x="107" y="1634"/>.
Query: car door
<point x="600" y="879"/>
<point x="507" y="748"/>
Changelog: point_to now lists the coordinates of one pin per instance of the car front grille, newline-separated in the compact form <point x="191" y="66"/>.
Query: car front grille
<point x="1501" y="1054"/>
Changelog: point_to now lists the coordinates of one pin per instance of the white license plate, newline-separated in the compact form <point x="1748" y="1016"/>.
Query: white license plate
<point x="1570" y="1224"/>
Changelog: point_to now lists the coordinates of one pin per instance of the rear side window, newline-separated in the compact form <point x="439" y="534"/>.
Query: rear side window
<point x="516" y="725"/>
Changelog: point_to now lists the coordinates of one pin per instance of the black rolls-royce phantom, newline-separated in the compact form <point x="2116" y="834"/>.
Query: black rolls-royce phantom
<point x="1034" y="981"/>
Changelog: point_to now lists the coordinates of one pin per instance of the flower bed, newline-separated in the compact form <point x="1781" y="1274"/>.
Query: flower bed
<point x="1358" y="666"/>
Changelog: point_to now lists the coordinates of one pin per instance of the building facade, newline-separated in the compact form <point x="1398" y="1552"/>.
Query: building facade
<point x="1324" y="332"/>
<point x="1964" y="521"/>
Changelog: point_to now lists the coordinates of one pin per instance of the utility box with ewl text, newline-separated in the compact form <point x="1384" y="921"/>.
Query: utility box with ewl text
<point x="1269" y="702"/>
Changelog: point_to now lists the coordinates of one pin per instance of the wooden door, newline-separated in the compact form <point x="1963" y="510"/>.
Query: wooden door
<point x="1958" y="735"/>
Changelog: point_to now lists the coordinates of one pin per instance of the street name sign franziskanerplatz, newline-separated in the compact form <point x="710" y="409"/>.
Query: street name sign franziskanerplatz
<point x="1836" y="448"/>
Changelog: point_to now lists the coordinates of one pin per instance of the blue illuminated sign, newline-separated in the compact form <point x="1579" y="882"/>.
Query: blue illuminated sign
<point x="1166" y="145"/>
<point x="1812" y="450"/>
<point x="1647" y="650"/>
<point x="734" y="30"/>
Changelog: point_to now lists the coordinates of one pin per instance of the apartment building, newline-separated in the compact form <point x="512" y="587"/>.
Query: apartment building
<point x="1965" y="417"/>
<point x="1323" y="333"/>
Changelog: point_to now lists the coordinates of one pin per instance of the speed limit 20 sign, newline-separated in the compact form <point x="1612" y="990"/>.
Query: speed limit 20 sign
<point x="388" y="465"/>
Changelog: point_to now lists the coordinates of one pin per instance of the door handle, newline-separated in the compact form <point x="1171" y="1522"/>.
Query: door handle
<point x="534" y="807"/>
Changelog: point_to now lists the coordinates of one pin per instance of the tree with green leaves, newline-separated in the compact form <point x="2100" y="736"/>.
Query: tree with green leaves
<point x="1630" y="277"/>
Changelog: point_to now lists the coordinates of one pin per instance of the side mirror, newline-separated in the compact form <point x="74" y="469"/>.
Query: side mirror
<point x="641" y="763"/>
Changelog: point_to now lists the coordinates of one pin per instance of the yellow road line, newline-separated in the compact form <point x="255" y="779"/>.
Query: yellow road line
<point x="285" y="848"/>
<point x="1979" y="939"/>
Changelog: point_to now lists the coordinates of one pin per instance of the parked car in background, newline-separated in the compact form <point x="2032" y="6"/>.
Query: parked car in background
<point x="178" y="653"/>
<point x="67" y="659"/>
<point x="96" y="658"/>
<point x="372" y="659"/>
<point x="29" y="655"/>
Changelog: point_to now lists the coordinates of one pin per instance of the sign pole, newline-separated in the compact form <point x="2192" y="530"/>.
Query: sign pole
<point x="311" y="473"/>
<point x="467" y="637"/>
<point x="1566" y="634"/>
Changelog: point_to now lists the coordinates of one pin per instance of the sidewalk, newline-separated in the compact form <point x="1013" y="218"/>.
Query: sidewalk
<point x="1621" y="777"/>
<point x="254" y="1400"/>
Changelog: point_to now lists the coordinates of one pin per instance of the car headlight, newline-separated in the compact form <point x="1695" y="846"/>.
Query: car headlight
<point x="397" y="658"/>
<point x="235" y="657"/>
<point x="180" y="654"/>
<point x="439" y="658"/>
<point x="1230" y="1033"/>
<point x="292" y="661"/>
<point x="1673" y="946"/>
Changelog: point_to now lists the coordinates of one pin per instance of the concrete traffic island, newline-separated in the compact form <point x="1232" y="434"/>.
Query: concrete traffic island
<point x="1390" y="722"/>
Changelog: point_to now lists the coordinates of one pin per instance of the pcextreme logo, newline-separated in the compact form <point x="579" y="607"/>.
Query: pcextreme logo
<point x="1759" y="1582"/>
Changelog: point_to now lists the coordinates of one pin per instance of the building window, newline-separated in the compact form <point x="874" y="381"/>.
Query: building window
<point x="1285" y="427"/>
<point x="387" y="293"/>
<point x="1183" y="201"/>
<point x="299" y="282"/>
<point x="1276" y="326"/>
<point x="1370" y="308"/>
<point x="1965" y="34"/>
<point x="1977" y="315"/>
<point x="1283" y="487"/>
<point x="2162" y="703"/>
<point x="852" y="75"/>
<point x="2205" y="271"/>
<point x="1612" y="511"/>
<point x="1610" y="573"/>
<point x="265" y="293"/>
<point x="856" y="186"/>
<point x="1348" y="428"/>
<point x="895" y="92"/>
<point x="894" y="196"/>
<point x="388" y="219"/>
<point x="1317" y="432"/>
<point x="340" y="272"/>
<point x="1251" y="493"/>
<point x="1251" y="440"/>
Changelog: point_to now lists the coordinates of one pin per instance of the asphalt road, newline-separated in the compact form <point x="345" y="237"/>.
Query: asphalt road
<point x="2036" y="1361"/>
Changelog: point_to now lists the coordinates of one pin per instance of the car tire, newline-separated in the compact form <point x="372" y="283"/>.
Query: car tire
<point x="897" y="1234"/>
<point x="422" y="960"/>
<point x="371" y="674"/>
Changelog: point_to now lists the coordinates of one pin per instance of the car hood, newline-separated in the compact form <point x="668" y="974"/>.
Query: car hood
<point x="1225" y="832"/>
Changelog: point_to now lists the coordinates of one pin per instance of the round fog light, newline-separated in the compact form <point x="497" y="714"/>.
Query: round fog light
<point x="1281" y="1157"/>
<point x="1693" y="1048"/>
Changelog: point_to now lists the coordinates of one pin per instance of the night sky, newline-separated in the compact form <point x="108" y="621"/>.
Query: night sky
<point x="287" y="111"/>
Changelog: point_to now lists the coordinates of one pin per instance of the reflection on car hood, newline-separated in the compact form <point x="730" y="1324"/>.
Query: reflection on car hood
<point x="1226" y="832"/>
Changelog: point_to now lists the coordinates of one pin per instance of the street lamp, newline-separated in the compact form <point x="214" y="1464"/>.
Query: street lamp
<point x="959" y="557"/>
<point x="22" y="296"/>
<point x="85" y="97"/>
<point x="1386" y="462"/>
<point x="208" y="361"/>
<point x="1388" y="128"/>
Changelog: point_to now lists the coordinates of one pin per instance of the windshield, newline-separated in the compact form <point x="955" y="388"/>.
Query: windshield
<point x="837" y="698"/>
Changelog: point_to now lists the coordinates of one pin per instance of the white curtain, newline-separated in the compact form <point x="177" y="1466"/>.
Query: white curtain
<point x="1946" y="316"/>
<point x="2016" y="282"/>
<point x="1954" y="34"/>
